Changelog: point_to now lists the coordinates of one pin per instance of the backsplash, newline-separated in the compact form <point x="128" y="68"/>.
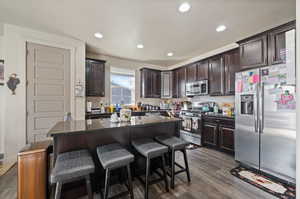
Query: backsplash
<point x="218" y="99"/>
<point x="97" y="100"/>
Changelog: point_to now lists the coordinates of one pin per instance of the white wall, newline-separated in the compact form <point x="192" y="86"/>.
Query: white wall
<point x="298" y="97"/>
<point x="1" y="94"/>
<point x="14" y="120"/>
<point x="125" y="64"/>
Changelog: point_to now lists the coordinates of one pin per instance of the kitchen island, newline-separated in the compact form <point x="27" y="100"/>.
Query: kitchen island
<point x="89" y="134"/>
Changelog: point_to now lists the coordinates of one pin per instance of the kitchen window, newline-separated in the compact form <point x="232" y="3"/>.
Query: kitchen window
<point x="122" y="87"/>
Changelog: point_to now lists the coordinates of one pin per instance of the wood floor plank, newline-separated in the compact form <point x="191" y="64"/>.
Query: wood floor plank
<point x="210" y="174"/>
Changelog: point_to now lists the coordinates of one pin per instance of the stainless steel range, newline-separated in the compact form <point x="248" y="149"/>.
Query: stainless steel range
<point x="191" y="128"/>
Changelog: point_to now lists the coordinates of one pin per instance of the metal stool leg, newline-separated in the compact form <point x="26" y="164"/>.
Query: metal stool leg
<point x="107" y="183"/>
<point x="147" y="178"/>
<point x="186" y="165"/>
<point x="89" y="187"/>
<point x="130" y="182"/>
<point x="164" y="172"/>
<point x="58" y="190"/>
<point x="173" y="169"/>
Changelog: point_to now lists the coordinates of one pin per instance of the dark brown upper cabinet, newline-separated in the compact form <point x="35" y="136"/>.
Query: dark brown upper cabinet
<point x="191" y="72"/>
<point x="277" y="45"/>
<point x="179" y="80"/>
<point x="253" y="52"/>
<point x="232" y="65"/>
<point x="150" y="83"/>
<point x="202" y="70"/>
<point x="175" y="83"/>
<point x="216" y="75"/>
<point x="95" y="77"/>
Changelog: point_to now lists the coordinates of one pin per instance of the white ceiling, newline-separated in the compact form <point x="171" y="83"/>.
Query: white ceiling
<point x="155" y="23"/>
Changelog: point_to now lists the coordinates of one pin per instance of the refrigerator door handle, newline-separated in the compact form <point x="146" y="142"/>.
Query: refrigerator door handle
<point x="261" y="108"/>
<point x="255" y="114"/>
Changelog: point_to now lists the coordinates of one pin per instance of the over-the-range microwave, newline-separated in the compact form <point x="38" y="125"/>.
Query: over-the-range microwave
<point x="197" y="88"/>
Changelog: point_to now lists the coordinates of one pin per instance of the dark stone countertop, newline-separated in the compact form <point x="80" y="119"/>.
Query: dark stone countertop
<point x="83" y="126"/>
<point x="218" y="115"/>
<point x="144" y="111"/>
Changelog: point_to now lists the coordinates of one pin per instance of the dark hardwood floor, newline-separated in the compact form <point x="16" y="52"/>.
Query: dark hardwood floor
<point x="210" y="175"/>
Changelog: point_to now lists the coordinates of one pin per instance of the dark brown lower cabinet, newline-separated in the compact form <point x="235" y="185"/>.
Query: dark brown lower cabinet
<point x="226" y="138"/>
<point x="210" y="134"/>
<point x="218" y="134"/>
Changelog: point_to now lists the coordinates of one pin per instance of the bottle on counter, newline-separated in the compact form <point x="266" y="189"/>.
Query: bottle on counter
<point x="216" y="109"/>
<point x="89" y="107"/>
<point x="102" y="108"/>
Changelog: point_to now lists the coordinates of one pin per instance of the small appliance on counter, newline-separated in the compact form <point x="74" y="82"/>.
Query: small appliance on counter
<point x="125" y="115"/>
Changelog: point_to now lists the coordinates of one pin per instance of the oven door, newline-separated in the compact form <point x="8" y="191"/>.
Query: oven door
<point x="186" y="124"/>
<point x="196" y="125"/>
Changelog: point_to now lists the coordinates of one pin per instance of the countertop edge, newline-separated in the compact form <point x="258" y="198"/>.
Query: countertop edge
<point x="105" y="128"/>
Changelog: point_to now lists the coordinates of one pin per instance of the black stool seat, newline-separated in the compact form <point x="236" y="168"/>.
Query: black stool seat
<point x="149" y="148"/>
<point x="71" y="166"/>
<point x="172" y="142"/>
<point x="113" y="156"/>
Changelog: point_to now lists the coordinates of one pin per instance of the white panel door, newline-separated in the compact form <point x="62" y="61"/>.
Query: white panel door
<point x="48" y="89"/>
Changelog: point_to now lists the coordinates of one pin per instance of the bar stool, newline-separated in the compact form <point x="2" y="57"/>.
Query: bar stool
<point x="114" y="156"/>
<point x="175" y="144"/>
<point x="72" y="166"/>
<point x="150" y="149"/>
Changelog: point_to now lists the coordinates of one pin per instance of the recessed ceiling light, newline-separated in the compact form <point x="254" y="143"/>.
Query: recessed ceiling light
<point x="221" y="28"/>
<point x="170" y="54"/>
<point x="140" y="46"/>
<point x="184" y="7"/>
<point x="98" y="35"/>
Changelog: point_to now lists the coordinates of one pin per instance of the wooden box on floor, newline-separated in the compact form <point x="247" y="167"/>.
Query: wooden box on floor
<point x="32" y="171"/>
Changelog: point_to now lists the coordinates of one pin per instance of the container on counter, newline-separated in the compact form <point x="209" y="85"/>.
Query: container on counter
<point x="125" y="115"/>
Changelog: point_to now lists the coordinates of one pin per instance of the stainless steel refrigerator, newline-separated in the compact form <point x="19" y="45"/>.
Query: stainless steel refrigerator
<point x="265" y="134"/>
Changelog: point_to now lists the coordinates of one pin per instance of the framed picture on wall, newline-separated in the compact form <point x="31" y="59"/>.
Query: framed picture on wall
<point x="1" y="72"/>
